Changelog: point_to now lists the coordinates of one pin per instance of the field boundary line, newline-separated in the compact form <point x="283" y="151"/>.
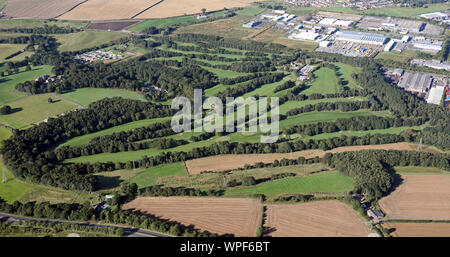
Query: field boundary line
<point x="71" y="9"/>
<point x="146" y="9"/>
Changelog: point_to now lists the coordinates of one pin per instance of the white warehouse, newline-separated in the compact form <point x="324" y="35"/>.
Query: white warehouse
<point x="362" y="38"/>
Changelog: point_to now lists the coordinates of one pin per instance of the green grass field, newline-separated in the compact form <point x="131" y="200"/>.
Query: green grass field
<point x="311" y="117"/>
<point x="14" y="189"/>
<point x="8" y="83"/>
<point x="149" y="176"/>
<point x="217" y="180"/>
<point x="224" y="73"/>
<point x="324" y="83"/>
<point x="397" y="130"/>
<point x="85" y="39"/>
<point x="162" y="22"/>
<point x="421" y="170"/>
<point x="34" y="109"/>
<point x="85" y="96"/>
<point x="4" y="134"/>
<point x="83" y="140"/>
<point x="8" y="49"/>
<point x="408" y="11"/>
<point x="346" y="71"/>
<point x="330" y="182"/>
<point x="32" y="23"/>
<point x="289" y="105"/>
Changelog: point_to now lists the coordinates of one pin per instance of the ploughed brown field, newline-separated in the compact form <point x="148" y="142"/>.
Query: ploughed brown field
<point x="111" y="25"/>
<point x="236" y="216"/>
<point x="171" y="8"/>
<point x="44" y="9"/>
<point x="414" y="229"/>
<point x="314" y="219"/>
<point x="108" y="9"/>
<point x="231" y="161"/>
<point x="419" y="197"/>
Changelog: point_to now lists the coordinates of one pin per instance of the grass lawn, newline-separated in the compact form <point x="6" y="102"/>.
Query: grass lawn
<point x="85" y="39"/>
<point x="312" y="117"/>
<point x="224" y="73"/>
<point x="4" y="134"/>
<point x="8" y="83"/>
<point x="85" y="96"/>
<point x="250" y="11"/>
<point x="162" y="22"/>
<point x="136" y="155"/>
<point x="421" y="170"/>
<point x="8" y="49"/>
<point x="346" y="71"/>
<point x="325" y="182"/>
<point x="325" y="82"/>
<point x="14" y="189"/>
<point x="289" y="105"/>
<point x="111" y="180"/>
<point x="216" y="180"/>
<point x="149" y="176"/>
<point x="397" y="130"/>
<point x="34" y="109"/>
<point x="265" y="90"/>
<point x="32" y="23"/>
<point x="405" y="56"/>
<point x="408" y="11"/>
<point x="83" y="140"/>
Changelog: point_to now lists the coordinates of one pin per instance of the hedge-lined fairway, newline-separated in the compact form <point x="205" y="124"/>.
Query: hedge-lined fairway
<point x="346" y="74"/>
<point x="83" y="140"/>
<point x="162" y="22"/>
<point x="8" y="83"/>
<point x="85" y="96"/>
<point x="148" y="177"/>
<point x="326" y="182"/>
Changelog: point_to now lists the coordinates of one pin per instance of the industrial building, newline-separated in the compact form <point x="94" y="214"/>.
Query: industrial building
<point x="362" y="38"/>
<point x="304" y="36"/>
<point x="403" y="25"/>
<point x="435" y="64"/>
<point x="389" y="46"/>
<point x="435" y="95"/>
<point x="417" y="83"/>
<point x="437" y="16"/>
<point x="427" y="44"/>
<point x="335" y="22"/>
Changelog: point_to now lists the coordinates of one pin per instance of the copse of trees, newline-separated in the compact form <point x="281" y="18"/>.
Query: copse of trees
<point x="46" y="29"/>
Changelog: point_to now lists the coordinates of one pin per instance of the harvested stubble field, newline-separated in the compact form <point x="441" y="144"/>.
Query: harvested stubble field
<point x="171" y="8"/>
<point x="414" y="229"/>
<point x="44" y="9"/>
<point x="419" y="197"/>
<point x="314" y="219"/>
<point x="237" y="216"/>
<point x="108" y="9"/>
<point x="230" y="162"/>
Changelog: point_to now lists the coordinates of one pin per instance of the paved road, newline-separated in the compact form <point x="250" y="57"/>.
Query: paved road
<point x="129" y="232"/>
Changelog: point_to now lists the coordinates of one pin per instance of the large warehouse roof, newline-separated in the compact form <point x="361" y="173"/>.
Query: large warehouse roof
<point x="362" y="37"/>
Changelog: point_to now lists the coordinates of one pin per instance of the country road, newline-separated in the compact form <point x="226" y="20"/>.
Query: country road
<point x="129" y="232"/>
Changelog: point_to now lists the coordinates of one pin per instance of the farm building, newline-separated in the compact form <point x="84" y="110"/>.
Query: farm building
<point x="375" y="214"/>
<point x="362" y="38"/>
